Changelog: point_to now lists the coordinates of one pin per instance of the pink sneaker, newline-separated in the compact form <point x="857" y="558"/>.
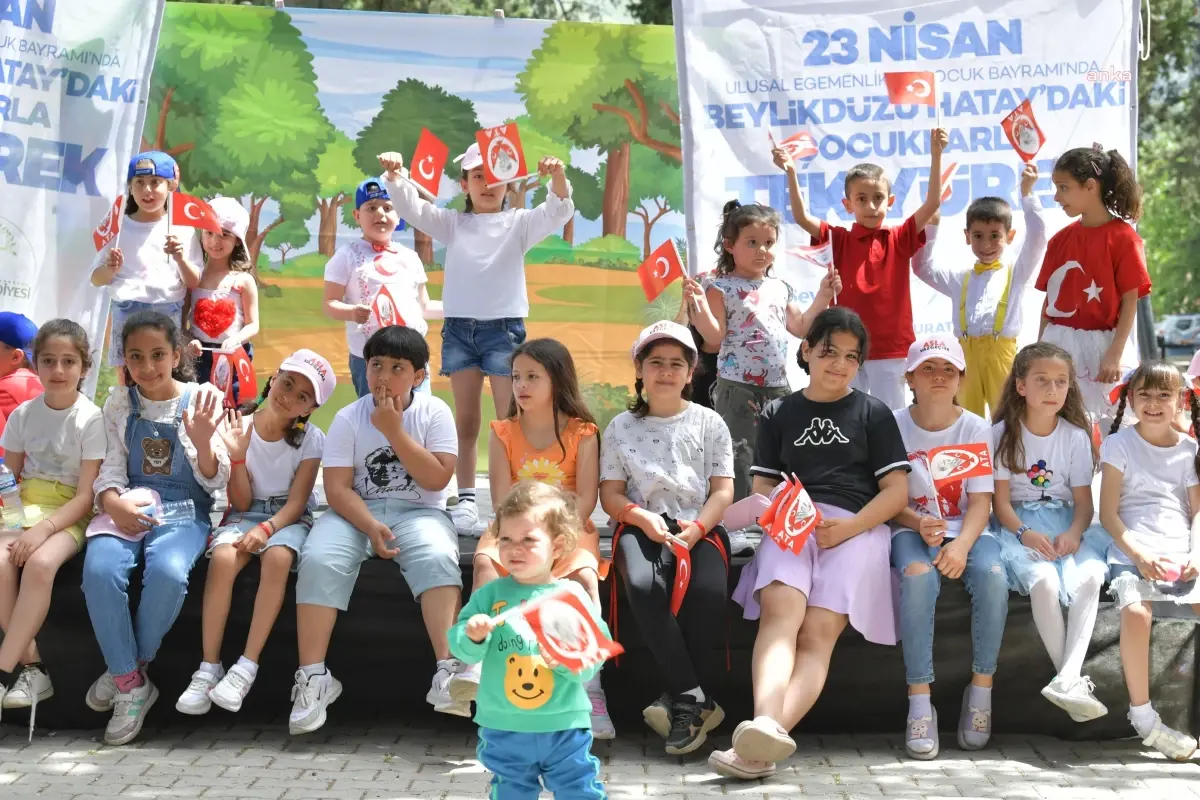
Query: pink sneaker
<point x="731" y="765"/>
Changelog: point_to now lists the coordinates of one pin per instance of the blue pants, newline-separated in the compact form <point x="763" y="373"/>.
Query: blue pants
<point x="986" y="580"/>
<point x="358" y="377"/>
<point x="563" y="760"/>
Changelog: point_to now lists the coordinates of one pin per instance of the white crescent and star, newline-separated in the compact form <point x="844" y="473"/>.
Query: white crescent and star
<point x="666" y="267"/>
<point x="1093" y="291"/>
<point x="1054" y="285"/>
<point x="924" y="90"/>
<point x="189" y="213"/>
<point x="425" y="167"/>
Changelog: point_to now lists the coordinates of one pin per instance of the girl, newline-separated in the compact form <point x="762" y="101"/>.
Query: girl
<point x="224" y="305"/>
<point x="484" y="298"/>
<point x="942" y="533"/>
<point x="1052" y="550"/>
<point x="532" y="713"/>
<point x="274" y="459"/>
<point x="147" y="281"/>
<point x="163" y="464"/>
<point x="1149" y="499"/>
<point x="54" y="443"/>
<point x="1095" y="271"/>
<point x="748" y="314"/>
<point x="667" y="464"/>
<point x="846" y="449"/>
<point x="550" y="436"/>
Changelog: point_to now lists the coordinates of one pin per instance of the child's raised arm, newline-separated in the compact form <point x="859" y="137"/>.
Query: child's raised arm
<point x="440" y="223"/>
<point x="1033" y="249"/>
<point x="553" y="213"/>
<point x="938" y="139"/>
<point x="811" y="225"/>
<point x="799" y="319"/>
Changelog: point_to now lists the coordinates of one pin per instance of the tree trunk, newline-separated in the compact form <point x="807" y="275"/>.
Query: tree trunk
<point x="254" y="238"/>
<point x="327" y="229"/>
<point x="569" y="231"/>
<point x="616" y="191"/>
<point x="423" y="243"/>
<point x="283" y="251"/>
<point x="646" y="238"/>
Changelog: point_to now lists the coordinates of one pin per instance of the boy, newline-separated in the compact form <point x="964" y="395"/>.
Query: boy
<point x="986" y="299"/>
<point x="359" y="270"/>
<point x="874" y="263"/>
<point x="18" y="382"/>
<point x="388" y="459"/>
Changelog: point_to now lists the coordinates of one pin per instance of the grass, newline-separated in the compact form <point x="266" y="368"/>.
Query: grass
<point x="613" y="304"/>
<point x="309" y="265"/>
<point x="299" y="307"/>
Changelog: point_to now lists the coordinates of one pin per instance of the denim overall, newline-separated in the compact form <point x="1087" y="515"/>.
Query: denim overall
<point x="157" y="461"/>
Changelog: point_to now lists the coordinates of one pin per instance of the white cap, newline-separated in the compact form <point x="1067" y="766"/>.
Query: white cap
<point x="664" y="330"/>
<point x="314" y="367"/>
<point x="232" y="216"/>
<point x="944" y="347"/>
<point x="470" y="159"/>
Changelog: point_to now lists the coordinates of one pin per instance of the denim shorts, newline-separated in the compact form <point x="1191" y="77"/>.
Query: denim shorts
<point x="483" y="344"/>
<point x="239" y="522"/>
<point x="122" y="311"/>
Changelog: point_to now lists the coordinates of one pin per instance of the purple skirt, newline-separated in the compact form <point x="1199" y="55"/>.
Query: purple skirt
<point x="854" y="578"/>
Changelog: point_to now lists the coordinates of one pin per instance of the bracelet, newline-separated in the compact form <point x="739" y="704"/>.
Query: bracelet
<point x="700" y="525"/>
<point x="233" y="464"/>
<point x="624" y="511"/>
<point x="266" y="530"/>
<point x="1021" y="531"/>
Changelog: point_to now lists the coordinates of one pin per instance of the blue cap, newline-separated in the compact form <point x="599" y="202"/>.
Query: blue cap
<point x="368" y="190"/>
<point x="152" y="162"/>
<point x="17" y="331"/>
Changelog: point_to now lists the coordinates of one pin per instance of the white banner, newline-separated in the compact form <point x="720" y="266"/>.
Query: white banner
<point x="749" y="68"/>
<point x="72" y="98"/>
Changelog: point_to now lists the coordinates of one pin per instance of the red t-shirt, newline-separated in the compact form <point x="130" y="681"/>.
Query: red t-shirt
<point x="16" y="387"/>
<point x="1086" y="270"/>
<point x="874" y="265"/>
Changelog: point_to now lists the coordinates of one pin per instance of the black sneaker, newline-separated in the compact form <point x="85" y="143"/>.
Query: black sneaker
<point x="691" y="722"/>
<point x="658" y="715"/>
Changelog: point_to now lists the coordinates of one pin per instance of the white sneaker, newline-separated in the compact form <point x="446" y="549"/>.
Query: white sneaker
<point x="602" y="724"/>
<point x="1074" y="695"/>
<point x="438" y="695"/>
<point x="102" y="694"/>
<point x="1170" y="742"/>
<point x="466" y="518"/>
<point x="232" y="689"/>
<point x="194" y="699"/>
<point x="129" y="712"/>
<point x="32" y="686"/>
<point x="464" y="684"/>
<point x="310" y="697"/>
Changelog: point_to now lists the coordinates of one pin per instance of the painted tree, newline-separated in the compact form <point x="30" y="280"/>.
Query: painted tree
<point x="286" y="237"/>
<point x="606" y="86"/>
<point x="337" y="178"/>
<point x="655" y="190"/>
<point x="407" y="108"/>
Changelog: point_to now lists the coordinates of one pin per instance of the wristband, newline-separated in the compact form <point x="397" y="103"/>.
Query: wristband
<point x="266" y="530"/>
<point x="1021" y="531"/>
<point x="624" y="511"/>
<point x="700" y="525"/>
<point x="233" y="464"/>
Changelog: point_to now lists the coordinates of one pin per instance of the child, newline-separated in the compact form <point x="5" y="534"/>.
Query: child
<point x="549" y="435"/>
<point x="1044" y="465"/>
<point x="942" y="533"/>
<point x="388" y="459"/>
<point x="274" y="456"/>
<point x="1095" y="271"/>
<point x="224" y="306"/>
<point x="668" y="463"/>
<point x="1149" y="503"/>
<point x="704" y="379"/>
<point x="845" y="448"/>
<point x="484" y="296"/>
<point x="532" y="712"/>
<point x="873" y="262"/>
<point x="163" y="464"/>
<point x="359" y="270"/>
<point x="148" y="280"/>
<point x="55" y="443"/>
<point x="986" y="300"/>
<point x="749" y="314"/>
<point x="18" y="381"/>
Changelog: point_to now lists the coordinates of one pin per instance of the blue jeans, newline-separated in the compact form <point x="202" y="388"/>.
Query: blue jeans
<point x="987" y="582"/>
<point x="358" y="377"/>
<point x="563" y="760"/>
<point x="169" y="551"/>
<point x="483" y="344"/>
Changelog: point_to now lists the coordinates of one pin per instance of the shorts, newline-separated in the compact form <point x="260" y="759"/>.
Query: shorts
<point x="239" y="522"/>
<point x="483" y="344"/>
<point x="121" y="311"/>
<point x="335" y="549"/>
<point x="41" y="498"/>
<point x="1087" y="349"/>
<point x="1178" y="600"/>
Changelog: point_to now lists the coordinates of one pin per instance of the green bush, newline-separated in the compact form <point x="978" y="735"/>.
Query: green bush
<point x="613" y="252"/>
<point x="605" y="401"/>
<point x="551" y="250"/>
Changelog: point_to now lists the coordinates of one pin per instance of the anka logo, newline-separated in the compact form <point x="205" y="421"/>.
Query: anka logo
<point x="821" y="431"/>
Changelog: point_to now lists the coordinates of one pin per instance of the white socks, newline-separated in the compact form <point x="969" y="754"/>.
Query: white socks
<point x="919" y="706"/>
<point x="248" y="666"/>
<point x="212" y="669"/>
<point x="310" y="670"/>
<point x="980" y="697"/>
<point x="697" y="694"/>
<point x="1143" y="719"/>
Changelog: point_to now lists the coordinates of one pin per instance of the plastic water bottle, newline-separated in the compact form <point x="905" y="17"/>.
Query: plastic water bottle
<point x="10" y="496"/>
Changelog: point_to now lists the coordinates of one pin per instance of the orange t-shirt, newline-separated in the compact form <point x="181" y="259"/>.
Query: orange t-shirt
<point x="551" y="465"/>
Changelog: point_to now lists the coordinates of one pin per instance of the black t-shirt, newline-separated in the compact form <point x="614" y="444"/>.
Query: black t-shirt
<point x="838" y="450"/>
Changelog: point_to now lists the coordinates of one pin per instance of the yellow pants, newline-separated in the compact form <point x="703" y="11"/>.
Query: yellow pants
<point x="989" y="360"/>
<point x="41" y="498"/>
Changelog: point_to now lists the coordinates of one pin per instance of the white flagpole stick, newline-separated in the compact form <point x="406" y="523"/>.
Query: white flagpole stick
<point x="170" y="196"/>
<point x="520" y="610"/>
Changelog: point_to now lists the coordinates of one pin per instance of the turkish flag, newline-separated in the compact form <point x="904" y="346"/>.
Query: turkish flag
<point x="820" y="255"/>
<point x="1023" y="131"/>
<point x="911" y="88"/>
<point x="958" y="462"/>
<point x="683" y="572"/>
<point x="503" y="158"/>
<point x="428" y="164"/>
<point x="110" y="226"/>
<point x="800" y="146"/>
<point x="795" y="519"/>
<point x="567" y="632"/>
<point x="225" y="366"/>
<point x="384" y="309"/>
<point x="192" y="212"/>
<point x="779" y="499"/>
<point x="660" y="269"/>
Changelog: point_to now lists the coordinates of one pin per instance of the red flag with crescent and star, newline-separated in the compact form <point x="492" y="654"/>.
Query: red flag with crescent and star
<point x="192" y="212"/>
<point x="795" y="518"/>
<point x="683" y="572"/>
<point x="225" y="367"/>
<point x="660" y="269"/>
<point x="911" y="88"/>
<point x="428" y="163"/>
<point x="503" y="158"/>
<point x="567" y="632"/>
<point x="1023" y="131"/>
<point x="110" y="226"/>
<point x="958" y="462"/>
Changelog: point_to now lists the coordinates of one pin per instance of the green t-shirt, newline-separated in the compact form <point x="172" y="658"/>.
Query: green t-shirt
<point x="517" y="691"/>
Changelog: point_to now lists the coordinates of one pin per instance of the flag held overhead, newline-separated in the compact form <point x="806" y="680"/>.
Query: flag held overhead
<point x="503" y="158"/>
<point x="1023" y="131"/>
<point x="428" y="164"/>
<point x="911" y="88"/>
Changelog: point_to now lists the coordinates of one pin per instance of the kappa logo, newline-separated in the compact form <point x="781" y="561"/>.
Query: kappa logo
<point x="821" y="431"/>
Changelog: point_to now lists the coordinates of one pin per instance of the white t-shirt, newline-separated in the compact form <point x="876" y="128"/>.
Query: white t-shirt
<point x="53" y="441"/>
<point x="1154" y="501"/>
<point x="1053" y="465"/>
<point x="378" y="474"/>
<point x="364" y="271"/>
<point x="485" y="253"/>
<point x="272" y="465"/>
<point x="666" y="461"/>
<point x="149" y="275"/>
<point x="968" y="429"/>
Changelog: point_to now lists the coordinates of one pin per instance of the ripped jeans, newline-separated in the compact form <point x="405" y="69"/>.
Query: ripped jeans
<point x="986" y="580"/>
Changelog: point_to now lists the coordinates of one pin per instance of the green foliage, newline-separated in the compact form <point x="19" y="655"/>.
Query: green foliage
<point x="609" y="251"/>
<point x="288" y="236"/>
<point x="651" y="12"/>
<point x="587" y="192"/>
<point x="407" y="108"/>
<point x="605" y="401"/>
<point x="551" y="250"/>
<point x="306" y="265"/>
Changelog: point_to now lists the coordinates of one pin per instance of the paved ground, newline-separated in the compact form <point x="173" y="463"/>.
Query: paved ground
<point x="399" y="762"/>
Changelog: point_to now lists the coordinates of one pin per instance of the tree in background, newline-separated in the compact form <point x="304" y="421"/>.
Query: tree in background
<point x="337" y="178"/>
<point x="651" y="12"/>
<point x="655" y="190"/>
<point x="406" y="109"/>
<point x="608" y="10"/>
<point x="287" y="237"/>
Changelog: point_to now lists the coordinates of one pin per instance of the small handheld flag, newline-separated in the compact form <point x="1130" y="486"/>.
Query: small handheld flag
<point x="384" y="309"/>
<point x="110" y="227"/>
<point x="1023" y="131"/>
<point x="683" y="572"/>
<point x="796" y="519"/>
<point x="228" y="364"/>
<point x="911" y="88"/>
<point x="660" y="269"/>
<point x="192" y="212"/>
<point x="503" y="158"/>
<point x="428" y="164"/>
<point x="958" y="462"/>
<point x="567" y="632"/>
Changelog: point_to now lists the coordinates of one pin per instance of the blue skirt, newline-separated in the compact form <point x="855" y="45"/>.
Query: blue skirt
<point x="1026" y="567"/>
